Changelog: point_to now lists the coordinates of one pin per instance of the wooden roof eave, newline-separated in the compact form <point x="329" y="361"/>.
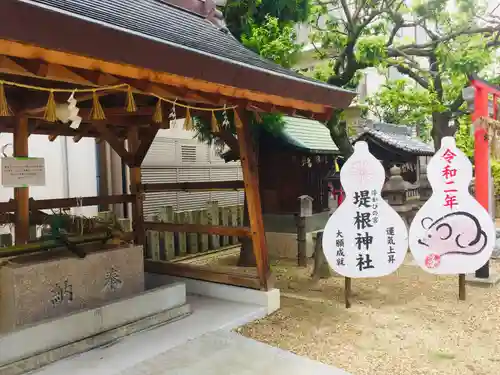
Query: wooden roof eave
<point x="155" y="62"/>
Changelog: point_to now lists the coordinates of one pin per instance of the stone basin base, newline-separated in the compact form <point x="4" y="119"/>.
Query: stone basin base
<point x="55" y="283"/>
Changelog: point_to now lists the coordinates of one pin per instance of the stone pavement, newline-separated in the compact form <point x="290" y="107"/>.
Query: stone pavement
<point x="201" y="344"/>
<point x="228" y="353"/>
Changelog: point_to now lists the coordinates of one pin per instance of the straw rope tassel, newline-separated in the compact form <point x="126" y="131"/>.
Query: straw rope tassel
<point x="215" y="123"/>
<point x="97" y="112"/>
<point x="131" y="107"/>
<point x="4" y="106"/>
<point x="158" y="115"/>
<point x="50" y="109"/>
<point x="188" y="121"/>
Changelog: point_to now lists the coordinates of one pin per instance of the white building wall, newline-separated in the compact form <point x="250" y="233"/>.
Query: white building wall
<point x="176" y="156"/>
<point x="79" y="180"/>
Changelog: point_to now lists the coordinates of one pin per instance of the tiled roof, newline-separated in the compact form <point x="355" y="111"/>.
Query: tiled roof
<point x="308" y="134"/>
<point x="157" y="20"/>
<point x="314" y="137"/>
<point x="399" y="137"/>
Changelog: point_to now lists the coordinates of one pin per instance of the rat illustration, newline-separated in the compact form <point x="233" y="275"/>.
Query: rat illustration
<point x="455" y="233"/>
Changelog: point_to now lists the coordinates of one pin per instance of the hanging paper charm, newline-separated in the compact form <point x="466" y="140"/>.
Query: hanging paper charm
<point x="73" y="112"/>
<point x="225" y="121"/>
<point x="173" y="115"/>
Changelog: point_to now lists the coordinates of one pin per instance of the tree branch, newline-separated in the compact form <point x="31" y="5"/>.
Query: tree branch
<point x="451" y="36"/>
<point x="457" y="103"/>
<point x="230" y="140"/>
<point x="403" y="51"/>
<point x="413" y="75"/>
<point x="347" y="14"/>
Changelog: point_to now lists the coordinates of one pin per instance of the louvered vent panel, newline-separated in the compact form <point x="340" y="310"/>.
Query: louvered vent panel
<point x="194" y="174"/>
<point x="223" y="174"/>
<point x="154" y="201"/>
<point x="188" y="154"/>
<point x="162" y="152"/>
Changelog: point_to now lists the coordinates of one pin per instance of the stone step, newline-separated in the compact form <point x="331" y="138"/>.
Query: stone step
<point x="40" y="344"/>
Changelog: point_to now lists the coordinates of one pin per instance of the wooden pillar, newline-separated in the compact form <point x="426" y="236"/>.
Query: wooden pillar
<point x="251" y="179"/>
<point x="21" y="195"/>
<point x="103" y="173"/>
<point x="135" y="183"/>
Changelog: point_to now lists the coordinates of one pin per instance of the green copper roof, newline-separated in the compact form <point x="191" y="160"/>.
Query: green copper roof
<point x="310" y="135"/>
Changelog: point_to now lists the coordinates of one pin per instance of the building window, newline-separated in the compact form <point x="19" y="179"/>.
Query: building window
<point x="188" y="154"/>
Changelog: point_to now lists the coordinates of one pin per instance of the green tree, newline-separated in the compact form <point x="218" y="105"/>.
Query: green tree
<point x="243" y="15"/>
<point x="354" y="35"/>
<point x="274" y="41"/>
<point x="400" y="103"/>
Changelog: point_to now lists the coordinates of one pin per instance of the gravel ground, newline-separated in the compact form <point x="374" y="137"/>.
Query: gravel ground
<point x="408" y="323"/>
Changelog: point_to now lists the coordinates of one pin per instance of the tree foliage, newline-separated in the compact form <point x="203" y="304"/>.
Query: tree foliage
<point x="354" y="35"/>
<point x="400" y="103"/>
<point x="243" y="15"/>
<point x="273" y="40"/>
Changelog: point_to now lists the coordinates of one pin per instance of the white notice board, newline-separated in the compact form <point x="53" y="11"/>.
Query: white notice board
<point x="23" y="172"/>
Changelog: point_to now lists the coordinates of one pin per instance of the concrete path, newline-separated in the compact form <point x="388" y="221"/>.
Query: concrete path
<point x="229" y="353"/>
<point x="201" y="344"/>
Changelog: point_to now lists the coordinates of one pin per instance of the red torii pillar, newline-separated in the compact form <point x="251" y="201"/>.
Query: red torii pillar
<point x="482" y="92"/>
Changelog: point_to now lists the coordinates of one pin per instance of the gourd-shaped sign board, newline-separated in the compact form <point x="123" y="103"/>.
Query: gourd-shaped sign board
<point x="452" y="233"/>
<point x="364" y="237"/>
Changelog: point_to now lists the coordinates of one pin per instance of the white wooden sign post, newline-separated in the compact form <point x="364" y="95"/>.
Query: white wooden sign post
<point x="365" y="236"/>
<point x="23" y="172"/>
<point x="452" y="233"/>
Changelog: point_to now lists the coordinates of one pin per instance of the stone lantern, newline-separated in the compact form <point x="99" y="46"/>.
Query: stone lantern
<point x="394" y="190"/>
<point x="401" y="195"/>
<point x="425" y="188"/>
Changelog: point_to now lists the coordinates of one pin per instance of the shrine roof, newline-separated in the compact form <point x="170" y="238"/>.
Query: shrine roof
<point x="397" y="136"/>
<point x="313" y="137"/>
<point x="162" y="37"/>
<point x="309" y="135"/>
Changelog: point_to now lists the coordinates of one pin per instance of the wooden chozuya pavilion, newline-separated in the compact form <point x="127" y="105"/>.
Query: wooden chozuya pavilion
<point x="151" y="55"/>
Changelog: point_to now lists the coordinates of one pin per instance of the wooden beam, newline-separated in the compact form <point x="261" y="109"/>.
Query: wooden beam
<point x="136" y="189"/>
<point x="21" y="195"/>
<point x="80" y="97"/>
<point x="114" y="142"/>
<point x="194" y="186"/>
<point x="251" y="178"/>
<point x="38" y="68"/>
<point x="16" y="49"/>
<point x="198" y="273"/>
<point x="47" y="204"/>
<point x="9" y="206"/>
<point x="144" y="146"/>
<point x="197" y="228"/>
